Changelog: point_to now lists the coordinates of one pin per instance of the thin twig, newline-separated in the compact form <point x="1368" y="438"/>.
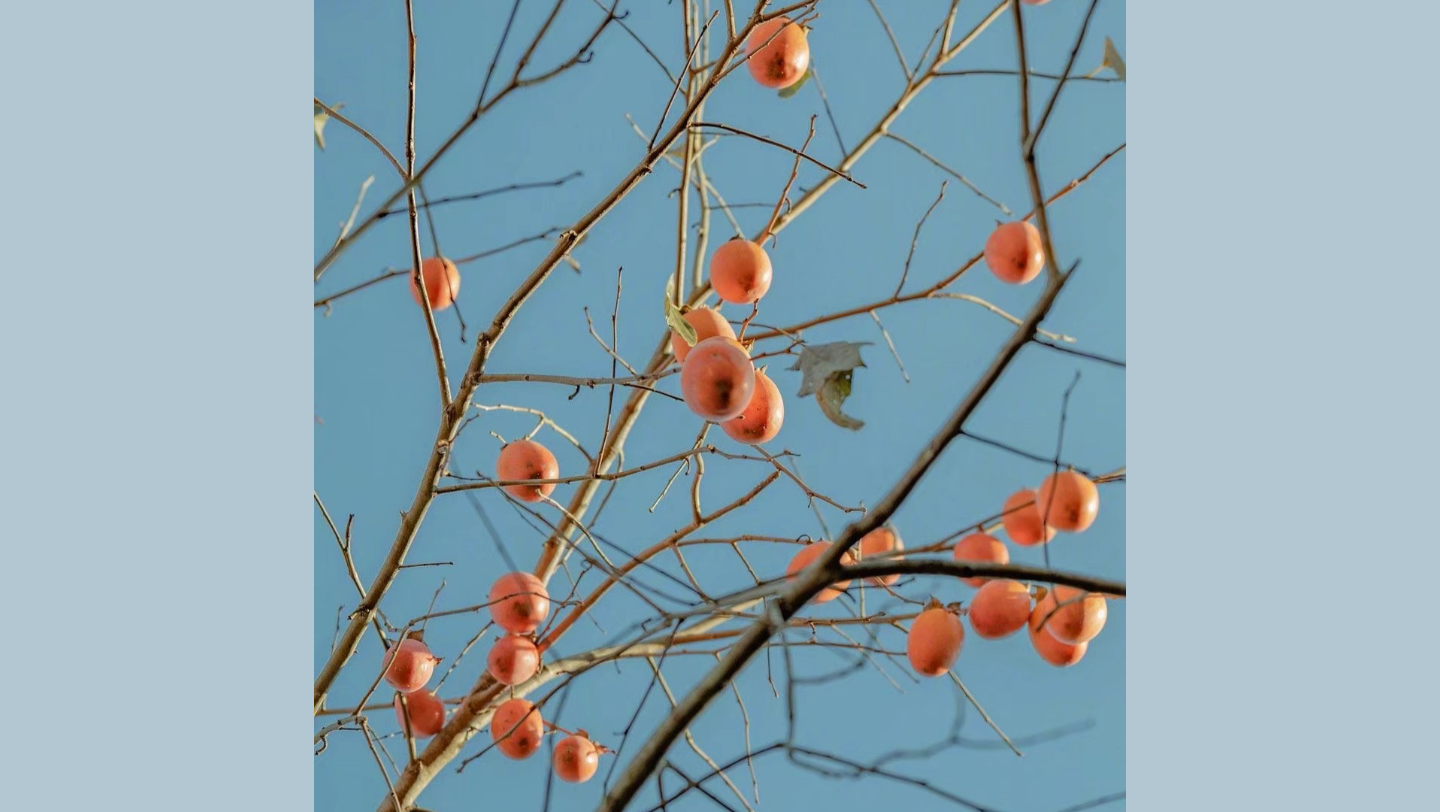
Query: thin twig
<point x="1104" y="359"/>
<point x="1034" y="74"/>
<point x="889" y="342"/>
<point x="762" y="139"/>
<point x="915" y="240"/>
<point x="784" y="195"/>
<point x="514" y="187"/>
<point x="825" y="102"/>
<point x="365" y="133"/>
<point x="418" y="269"/>
<point x="952" y="173"/>
<point x="899" y="54"/>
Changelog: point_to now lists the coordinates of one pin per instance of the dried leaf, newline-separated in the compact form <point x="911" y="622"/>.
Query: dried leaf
<point x="320" y="118"/>
<point x="818" y="362"/>
<point x="827" y="372"/>
<point x="791" y="90"/>
<point x="569" y="260"/>
<point x="675" y="318"/>
<point x="1112" y="60"/>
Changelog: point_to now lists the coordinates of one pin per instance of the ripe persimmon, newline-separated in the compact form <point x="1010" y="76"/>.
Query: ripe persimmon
<point x="1014" y="252"/>
<point x="1074" y="616"/>
<point x="517" y="728"/>
<point x="1068" y="501"/>
<point x="1022" y="520"/>
<point x="708" y="323"/>
<point x="427" y="713"/>
<point x="576" y="758"/>
<point x="519" y="602"/>
<point x="762" y="418"/>
<point x="980" y="547"/>
<point x="513" y="659"/>
<point x="717" y="379"/>
<point x="879" y="541"/>
<point x="408" y="665"/>
<point x="777" y="60"/>
<point x="1000" y="608"/>
<point x="934" y="640"/>
<point x="442" y="282"/>
<point x="809" y="553"/>
<point x="740" y="271"/>
<point x="527" y="459"/>
<point x="1051" y="650"/>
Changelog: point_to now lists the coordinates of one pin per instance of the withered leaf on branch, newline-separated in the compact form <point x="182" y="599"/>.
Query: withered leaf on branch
<point x="826" y="371"/>
<point x="1112" y="60"/>
<point x="571" y="261"/>
<point x="320" y="118"/>
<point x="675" y="318"/>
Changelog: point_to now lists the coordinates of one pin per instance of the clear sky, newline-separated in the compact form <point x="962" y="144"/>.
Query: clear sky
<point x="375" y="386"/>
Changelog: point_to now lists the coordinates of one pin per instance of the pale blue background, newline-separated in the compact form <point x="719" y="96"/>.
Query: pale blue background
<point x="375" y="389"/>
<point x="1266" y="138"/>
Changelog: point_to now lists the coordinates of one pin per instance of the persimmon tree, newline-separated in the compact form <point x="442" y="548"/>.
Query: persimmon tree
<point x="627" y="579"/>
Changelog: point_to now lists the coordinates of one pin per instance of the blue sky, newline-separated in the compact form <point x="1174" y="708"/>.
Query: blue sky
<point x="375" y="390"/>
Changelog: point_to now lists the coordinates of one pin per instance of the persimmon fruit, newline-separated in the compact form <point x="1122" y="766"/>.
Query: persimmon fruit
<point x="513" y="659"/>
<point x="1021" y="519"/>
<point x="708" y="323"/>
<point x="982" y="548"/>
<point x="1014" y="252"/>
<point x="808" y="554"/>
<point x="880" y="541"/>
<point x="740" y="271"/>
<point x="1079" y="617"/>
<point x="408" y="665"/>
<point x="777" y="60"/>
<point x="519" y="602"/>
<point x="1068" y="501"/>
<point x="717" y="379"/>
<point x="427" y="713"/>
<point x="442" y="282"/>
<point x="761" y="420"/>
<point x="527" y="459"/>
<point x="1051" y="650"/>
<point x="1000" y="608"/>
<point x="517" y="728"/>
<point x="934" y="640"/>
<point x="576" y="758"/>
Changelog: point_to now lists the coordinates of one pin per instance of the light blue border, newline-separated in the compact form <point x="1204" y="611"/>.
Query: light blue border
<point x="1282" y="367"/>
<point x="157" y="571"/>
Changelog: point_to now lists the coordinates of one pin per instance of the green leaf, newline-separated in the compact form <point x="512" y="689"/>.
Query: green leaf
<point x="827" y="372"/>
<point x="831" y="396"/>
<point x="787" y="92"/>
<point x="1112" y="60"/>
<point x="675" y="318"/>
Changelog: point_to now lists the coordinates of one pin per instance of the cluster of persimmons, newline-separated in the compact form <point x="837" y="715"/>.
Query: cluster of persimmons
<point x="720" y="384"/>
